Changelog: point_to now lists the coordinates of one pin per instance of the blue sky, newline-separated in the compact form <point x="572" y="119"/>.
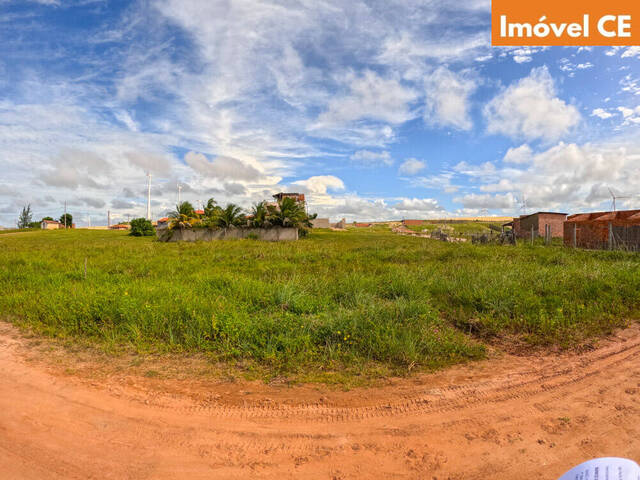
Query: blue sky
<point x="375" y="109"/>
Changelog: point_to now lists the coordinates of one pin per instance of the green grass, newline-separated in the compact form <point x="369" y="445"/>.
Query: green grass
<point x="359" y="303"/>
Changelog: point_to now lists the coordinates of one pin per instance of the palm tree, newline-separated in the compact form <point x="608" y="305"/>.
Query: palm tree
<point x="184" y="216"/>
<point x="230" y="216"/>
<point x="288" y="213"/>
<point x="260" y="213"/>
<point x="212" y="209"/>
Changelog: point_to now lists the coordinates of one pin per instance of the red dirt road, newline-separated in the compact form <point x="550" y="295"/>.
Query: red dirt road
<point x="506" y="418"/>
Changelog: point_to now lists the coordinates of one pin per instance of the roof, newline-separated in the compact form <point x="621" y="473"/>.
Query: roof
<point x="50" y="221"/>
<point x="543" y="213"/>
<point x="413" y="222"/>
<point x="163" y="219"/>
<point x="362" y="224"/>
<point x="631" y="216"/>
<point x="199" y="212"/>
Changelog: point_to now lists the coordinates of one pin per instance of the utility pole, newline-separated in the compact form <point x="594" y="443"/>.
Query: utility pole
<point x="65" y="214"/>
<point x="108" y="218"/>
<point x="148" y="196"/>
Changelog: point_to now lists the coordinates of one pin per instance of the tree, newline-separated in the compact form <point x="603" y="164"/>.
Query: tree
<point x="290" y="213"/>
<point x="212" y="209"/>
<point x="25" y="217"/>
<point x="35" y="225"/>
<point x="230" y="216"/>
<point x="69" y="220"/>
<point x="46" y="218"/>
<point x="184" y="216"/>
<point x="141" y="227"/>
<point x="260" y="213"/>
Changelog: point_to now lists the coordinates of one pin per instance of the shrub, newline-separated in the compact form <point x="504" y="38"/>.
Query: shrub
<point x="141" y="227"/>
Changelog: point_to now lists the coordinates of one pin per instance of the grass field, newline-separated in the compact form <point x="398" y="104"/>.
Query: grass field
<point x="329" y="307"/>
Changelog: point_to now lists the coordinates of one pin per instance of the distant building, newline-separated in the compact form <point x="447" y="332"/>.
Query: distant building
<point x="537" y="222"/>
<point x="320" y="223"/>
<point x="162" y="222"/>
<point x="298" y="197"/>
<point x="199" y="212"/>
<point x="120" y="226"/>
<point x="50" y="225"/>
<point x="362" y="225"/>
<point x="598" y="230"/>
<point x="341" y="224"/>
<point x="412" y="223"/>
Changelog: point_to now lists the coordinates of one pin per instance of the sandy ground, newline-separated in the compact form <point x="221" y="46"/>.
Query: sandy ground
<point x="505" y="418"/>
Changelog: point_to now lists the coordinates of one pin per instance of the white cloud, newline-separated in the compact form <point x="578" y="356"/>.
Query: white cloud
<point x="530" y="109"/>
<point x="412" y="166"/>
<point x="370" y="158"/>
<point x="631" y="52"/>
<point x="447" y="99"/>
<point x="522" y="58"/>
<point x="221" y="167"/>
<point x="518" y="155"/>
<point x="601" y="113"/>
<point x="370" y="97"/>
<point x="320" y="184"/>
<point x="482" y="201"/>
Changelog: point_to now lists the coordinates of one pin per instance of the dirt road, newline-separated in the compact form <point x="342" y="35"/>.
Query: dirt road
<point x="506" y="418"/>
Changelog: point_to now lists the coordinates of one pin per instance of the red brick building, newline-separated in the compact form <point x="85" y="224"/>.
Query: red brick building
<point x="603" y="230"/>
<point x="523" y="225"/>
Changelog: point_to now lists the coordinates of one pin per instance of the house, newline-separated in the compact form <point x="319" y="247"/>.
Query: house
<point x="362" y="225"/>
<point x="537" y="223"/>
<point x="599" y="230"/>
<point x="162" y="222"/>
<point x="119" y="226"/>
<point x="298" y="197"/>
<point x="50" y="225"/>
<point x="199" y="212"/>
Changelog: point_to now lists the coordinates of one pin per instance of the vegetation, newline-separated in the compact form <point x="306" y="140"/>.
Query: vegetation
<point x="25" y="218"/>
<point x="336" y="306"/>
<point x="66" y="219"/>
<point x="141" y="227"/>
<point x="286" y="213"/>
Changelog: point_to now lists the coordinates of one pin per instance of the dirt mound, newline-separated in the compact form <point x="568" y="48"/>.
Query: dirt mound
<point x="504" y="418"/>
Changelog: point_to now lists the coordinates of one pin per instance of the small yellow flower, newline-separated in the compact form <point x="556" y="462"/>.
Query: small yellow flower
<point x="126" y="293"/>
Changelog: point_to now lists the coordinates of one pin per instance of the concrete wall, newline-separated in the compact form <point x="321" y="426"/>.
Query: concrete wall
<point x="276" y="234"/>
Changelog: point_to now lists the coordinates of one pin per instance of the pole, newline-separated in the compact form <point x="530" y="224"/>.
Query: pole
<point x="575" y="235"/>
<point x="531" y="234"/>
<point x="148" y="196"/>
<point x="108" y="218"/>
<point x="65" y="214"/>
<point x="610" y="236"/>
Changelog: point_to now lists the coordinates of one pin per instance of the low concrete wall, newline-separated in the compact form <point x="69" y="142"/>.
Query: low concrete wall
<point x="275" y="234"/>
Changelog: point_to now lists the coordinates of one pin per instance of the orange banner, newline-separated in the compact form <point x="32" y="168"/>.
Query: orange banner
<point x="565" y="22"/>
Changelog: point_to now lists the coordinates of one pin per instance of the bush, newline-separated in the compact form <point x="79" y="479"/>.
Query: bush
<point x="141" y="227"/>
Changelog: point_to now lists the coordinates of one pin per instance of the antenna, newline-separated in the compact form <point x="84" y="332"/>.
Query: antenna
<point x="523" y="203"/>
<point x="614" y="197"/>
<point x="148" y="196"/>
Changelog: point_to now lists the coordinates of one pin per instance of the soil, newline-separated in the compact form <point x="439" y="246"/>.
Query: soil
<point x="509" y="417"/>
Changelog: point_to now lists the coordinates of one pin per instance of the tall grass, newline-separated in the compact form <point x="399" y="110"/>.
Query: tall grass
<point x="357" y="301"/>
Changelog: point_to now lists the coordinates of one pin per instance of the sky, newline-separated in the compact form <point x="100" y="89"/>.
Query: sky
<point x="376" y="110"/>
